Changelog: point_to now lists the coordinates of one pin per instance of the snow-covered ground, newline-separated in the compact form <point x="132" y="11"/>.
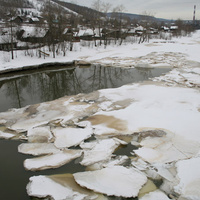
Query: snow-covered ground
<point x="161" y="118"/>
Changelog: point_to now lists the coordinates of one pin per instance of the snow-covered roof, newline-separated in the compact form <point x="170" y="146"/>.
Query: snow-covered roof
<point x="86" y="32"/>
<point x="139" y="28"/>
<point x="173" y="27"/>
<point x="34" y="19"/>
<point x="31" y="31"/>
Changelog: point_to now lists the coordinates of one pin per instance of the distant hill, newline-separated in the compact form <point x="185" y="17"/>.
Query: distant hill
<point x="140" y="17"/>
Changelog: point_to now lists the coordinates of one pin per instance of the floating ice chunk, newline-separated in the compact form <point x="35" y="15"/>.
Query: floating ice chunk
<point x="67" y="137"/>
<point x="118" y="181"/>
<point x="156" y="195"/>
<point x="38" y="148"/>
<point x="164" y="172"/>
<point x="51" y="161"/>
<point x="167" y="149"/>
<point x="118" y="160"/>
<point x="58" y="187"/>
<point x="139" y="164"/>
<point x="189" y="175"/>
<point x="101" y="150"/>
<point x="39" y="135"/>
<point x="6" y="135"/>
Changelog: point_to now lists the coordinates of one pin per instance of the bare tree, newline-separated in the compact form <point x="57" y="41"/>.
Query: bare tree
<point x="11" y="12"/>
<point x="117" y="13"/>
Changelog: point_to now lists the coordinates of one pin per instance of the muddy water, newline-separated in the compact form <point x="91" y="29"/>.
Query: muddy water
<point x="21" y="89"/>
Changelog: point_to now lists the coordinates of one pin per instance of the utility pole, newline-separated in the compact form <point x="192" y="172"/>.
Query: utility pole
<point x="194" y="14"/>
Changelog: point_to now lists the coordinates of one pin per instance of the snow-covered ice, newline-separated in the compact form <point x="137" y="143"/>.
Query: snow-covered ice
<point x="117" y="181"/>
<point x="58" y="187"/>
<point x="51" y="161"/>
<point x="67" y="137"/>
<point x="38" y="148"/>
<point x="189" y="175"/>
<point x="100" y="151"/>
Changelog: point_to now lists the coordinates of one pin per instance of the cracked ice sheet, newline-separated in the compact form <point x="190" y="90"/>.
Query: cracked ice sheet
<point x="67" y="137"/>
<point x="59" y="187"/>
<point x="174" y="109"/>
<point x="167" y="149"/>
<point x="98" y="151"/>
<point x="189" y="176"/>
<point x="41" y="114"/>
<point x="51" y="161"/>
<point x="117" y="181"/>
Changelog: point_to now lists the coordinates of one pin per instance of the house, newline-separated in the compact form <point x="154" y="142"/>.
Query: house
<point x="17" y="20"/>
<point x="71" y="34"/>
<point x="33" y="34"/>
<point x="87" y="34"/>
<point x="34" y="20"/>
<point x="6" y="44"/>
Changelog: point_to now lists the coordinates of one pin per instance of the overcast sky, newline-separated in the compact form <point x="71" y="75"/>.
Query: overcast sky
<point x="169" y="9"/>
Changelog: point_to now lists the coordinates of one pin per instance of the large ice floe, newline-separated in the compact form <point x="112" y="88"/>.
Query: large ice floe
<point x="117" y="180"/>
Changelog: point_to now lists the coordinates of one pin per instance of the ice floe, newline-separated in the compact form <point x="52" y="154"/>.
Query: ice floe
<point x="67" y="137"/>
<point x="118" y="181"/>
<point x="156" y="195"/>
<point x="189" y="175"/>
<point x="6" y="135"/>
<point x="38" y="148"/>
<point x="51" y="161"/>
<point x="58" y="187"/>
<point x="39" y="134"/>
<point x="98" y="151"/>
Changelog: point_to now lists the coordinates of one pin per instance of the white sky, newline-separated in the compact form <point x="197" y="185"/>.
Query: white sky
<point x="169" y="9"/>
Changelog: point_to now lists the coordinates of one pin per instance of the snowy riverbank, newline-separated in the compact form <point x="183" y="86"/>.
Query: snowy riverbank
<point x="160" y="118"/>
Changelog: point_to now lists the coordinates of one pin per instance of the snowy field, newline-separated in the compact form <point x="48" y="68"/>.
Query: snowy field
<point x="160" y="118"/>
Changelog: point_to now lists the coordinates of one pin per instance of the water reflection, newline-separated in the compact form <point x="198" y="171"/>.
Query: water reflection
<point x="18" y="90"/>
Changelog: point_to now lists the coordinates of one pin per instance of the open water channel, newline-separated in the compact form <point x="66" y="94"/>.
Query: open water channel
<point x="30" y="87"/>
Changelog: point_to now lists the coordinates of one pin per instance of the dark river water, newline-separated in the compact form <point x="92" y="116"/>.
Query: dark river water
<point x="21" y="89"/>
